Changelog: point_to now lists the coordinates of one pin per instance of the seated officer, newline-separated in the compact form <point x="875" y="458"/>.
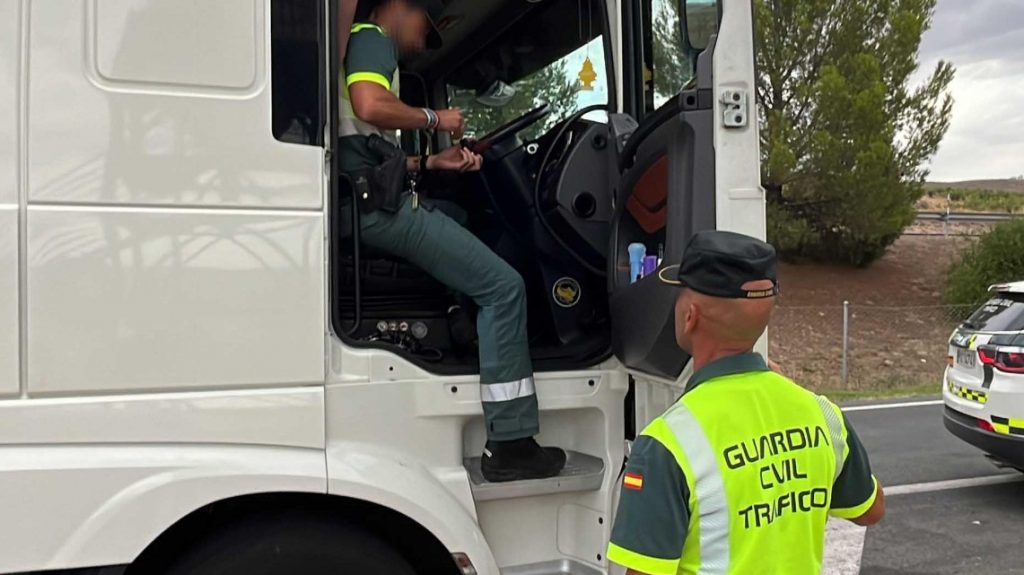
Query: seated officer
<point x="741" y="474"/>
<point x="436" y="243"/>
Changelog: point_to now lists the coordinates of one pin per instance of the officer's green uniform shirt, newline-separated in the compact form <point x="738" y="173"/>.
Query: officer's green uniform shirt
<point x="739" y="477"/>
<point x="371" y="57"/>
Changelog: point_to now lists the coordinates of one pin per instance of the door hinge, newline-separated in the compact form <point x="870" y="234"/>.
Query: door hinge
<point x="735" y="113"/>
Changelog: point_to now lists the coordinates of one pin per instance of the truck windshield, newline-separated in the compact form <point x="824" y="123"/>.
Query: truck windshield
<point x="545" y="58"/>
<point x="1005" y="312"/>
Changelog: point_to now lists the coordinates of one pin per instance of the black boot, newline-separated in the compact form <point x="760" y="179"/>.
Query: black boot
<point x="520" y="459"/>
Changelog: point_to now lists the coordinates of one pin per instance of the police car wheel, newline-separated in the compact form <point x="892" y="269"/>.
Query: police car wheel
<point x="298" y="544"/>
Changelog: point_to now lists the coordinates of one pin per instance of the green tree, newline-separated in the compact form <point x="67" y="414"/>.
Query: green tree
<point x="672" y="66"/>
<point x="550" y="85"/>
<point x="996" y="258"/>
<point x="844" y="136"/>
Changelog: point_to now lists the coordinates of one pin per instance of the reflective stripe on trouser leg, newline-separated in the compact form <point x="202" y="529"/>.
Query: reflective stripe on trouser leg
<point x="507" y="406"/>
<point x="507" y="391"/>
<point x="455" y="257"/>
<point x="835" y="430"/>
<point x="709" y="489"/>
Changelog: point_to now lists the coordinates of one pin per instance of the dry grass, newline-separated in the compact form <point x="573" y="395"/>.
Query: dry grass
<point x="898" y="325"/>
<point x="1003" y="185"/>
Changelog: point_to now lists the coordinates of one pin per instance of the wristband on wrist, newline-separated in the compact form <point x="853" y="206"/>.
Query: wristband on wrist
<point x="432" y="118"/>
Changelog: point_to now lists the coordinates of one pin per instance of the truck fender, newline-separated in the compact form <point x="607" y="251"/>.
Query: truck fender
<point x="440" y="500"/>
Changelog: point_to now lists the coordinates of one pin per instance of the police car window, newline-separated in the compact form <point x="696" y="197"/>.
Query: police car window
<point x="554" y="55"/>
<point x="1002" y="313"/>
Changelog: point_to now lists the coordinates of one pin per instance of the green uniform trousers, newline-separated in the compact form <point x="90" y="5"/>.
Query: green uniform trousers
<point x="443" y="248"/>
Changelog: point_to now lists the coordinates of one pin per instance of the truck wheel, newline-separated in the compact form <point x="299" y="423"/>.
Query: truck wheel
<point x="289" y="544"/>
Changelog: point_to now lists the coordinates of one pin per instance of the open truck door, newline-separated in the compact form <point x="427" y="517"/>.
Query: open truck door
<point x="693" y="164"/>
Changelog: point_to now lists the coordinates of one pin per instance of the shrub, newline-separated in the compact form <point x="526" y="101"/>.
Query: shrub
<point x="997" y="257"/>
<point x="980" y="200"/>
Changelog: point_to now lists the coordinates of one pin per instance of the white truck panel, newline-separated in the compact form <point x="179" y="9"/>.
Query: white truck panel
<point x="127" y="299"/>
<point x="288" y="417"/>
<point x="740" y="205"/>
<point x="105" y="504"/>
<point x="10" y="55"/>
<point x="9" y="327"/>
<point x="403" y="483"/>
<point x="104" y="128"/>
<point x="147" y="42"/>
<point x="10" y="82"/>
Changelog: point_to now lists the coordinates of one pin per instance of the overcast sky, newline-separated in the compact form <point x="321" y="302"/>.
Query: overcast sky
<point x="984" y="39"/>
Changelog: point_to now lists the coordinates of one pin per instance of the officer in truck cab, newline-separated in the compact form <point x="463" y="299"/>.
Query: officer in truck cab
<point x="741" y="474"/>
<point x="371" y="112"/>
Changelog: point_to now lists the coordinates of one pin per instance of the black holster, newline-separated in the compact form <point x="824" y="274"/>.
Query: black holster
<point x="381" y="187"/>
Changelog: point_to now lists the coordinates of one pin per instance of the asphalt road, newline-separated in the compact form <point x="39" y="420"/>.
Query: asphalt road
<point x="940" y="520"/>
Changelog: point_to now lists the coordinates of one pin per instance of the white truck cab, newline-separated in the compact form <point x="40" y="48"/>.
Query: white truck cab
<point x="197" y="358"/>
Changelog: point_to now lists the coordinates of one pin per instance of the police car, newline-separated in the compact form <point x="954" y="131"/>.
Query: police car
<point x="983" y="386"/>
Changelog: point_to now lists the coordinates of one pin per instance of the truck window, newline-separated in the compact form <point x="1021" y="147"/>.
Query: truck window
<point x="552" y="78"/>
<point x="556" y="84"/>
<point x="668" y="62"/>
<point x="296" y="63"/>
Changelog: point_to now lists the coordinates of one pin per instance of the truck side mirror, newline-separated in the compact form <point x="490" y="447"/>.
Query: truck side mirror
<point x="699" y="23"/>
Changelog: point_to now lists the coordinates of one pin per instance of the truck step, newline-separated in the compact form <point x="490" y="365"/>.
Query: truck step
<point x="564" y="567"/>
<point x="582" y="473"/>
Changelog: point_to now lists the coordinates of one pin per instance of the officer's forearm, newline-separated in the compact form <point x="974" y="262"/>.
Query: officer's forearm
<point x="375" y="105"/>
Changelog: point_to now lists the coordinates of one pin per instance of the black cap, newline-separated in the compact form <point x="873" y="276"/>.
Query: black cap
<point x="718" y="264"/>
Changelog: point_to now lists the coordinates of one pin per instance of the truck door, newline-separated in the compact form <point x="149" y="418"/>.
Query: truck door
<point x="672" y="185"/>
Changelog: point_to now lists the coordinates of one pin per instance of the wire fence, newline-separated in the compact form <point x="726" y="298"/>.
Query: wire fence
<point x="855" y="347"/>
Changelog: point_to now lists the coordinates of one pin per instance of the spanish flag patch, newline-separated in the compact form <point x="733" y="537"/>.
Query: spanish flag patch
<point x="633" y="481"/>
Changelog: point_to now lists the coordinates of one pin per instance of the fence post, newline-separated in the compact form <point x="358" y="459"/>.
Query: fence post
<point x="846" y="341"/>
<point x="945" y="220"/>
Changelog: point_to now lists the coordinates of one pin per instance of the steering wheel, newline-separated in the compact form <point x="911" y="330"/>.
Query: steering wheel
<point x="512" y="128"/>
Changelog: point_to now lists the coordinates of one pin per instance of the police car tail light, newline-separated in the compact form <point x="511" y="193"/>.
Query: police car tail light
<point x="1006" y="359"/>
<point x="986" y="426"/>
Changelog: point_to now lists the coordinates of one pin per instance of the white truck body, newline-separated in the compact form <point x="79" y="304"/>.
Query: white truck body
<point x="164" y="332"/>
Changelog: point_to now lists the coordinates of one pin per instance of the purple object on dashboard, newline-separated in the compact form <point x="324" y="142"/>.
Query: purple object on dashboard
<point x="650" y="264"/>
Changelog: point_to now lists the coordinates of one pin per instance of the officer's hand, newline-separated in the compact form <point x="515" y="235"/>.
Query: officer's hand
<point x="455" y="159"/>
<point x="451" y="121"/>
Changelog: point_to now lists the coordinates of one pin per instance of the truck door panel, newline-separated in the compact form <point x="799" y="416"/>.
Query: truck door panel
<point x="173" y="242"/>
<point x="663" y="201"/>
<point x="10" y="54"/>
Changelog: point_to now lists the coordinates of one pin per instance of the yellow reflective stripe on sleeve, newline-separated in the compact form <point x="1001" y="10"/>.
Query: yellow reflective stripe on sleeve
<point x="709" y="490"/>
<point x="837" y="430"/>
<point x="855" y="512"/>
<point x="642" y="563"/>
<point x="662" y="433"/>
<point x="366" y="26"/>
<point x="368" y="77"/>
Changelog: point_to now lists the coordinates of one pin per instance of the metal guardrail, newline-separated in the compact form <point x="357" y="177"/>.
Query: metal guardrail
<point x="965" y="216"/>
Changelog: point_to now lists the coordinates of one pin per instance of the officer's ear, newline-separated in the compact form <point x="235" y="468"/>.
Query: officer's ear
<point x="686" y="316"/>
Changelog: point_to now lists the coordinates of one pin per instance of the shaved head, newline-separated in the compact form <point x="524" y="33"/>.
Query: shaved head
<point x="715" y="326"/>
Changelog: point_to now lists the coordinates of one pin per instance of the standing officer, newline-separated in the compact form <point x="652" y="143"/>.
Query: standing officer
<point x="740" y="475"/>
<point x="428" y="238"/>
